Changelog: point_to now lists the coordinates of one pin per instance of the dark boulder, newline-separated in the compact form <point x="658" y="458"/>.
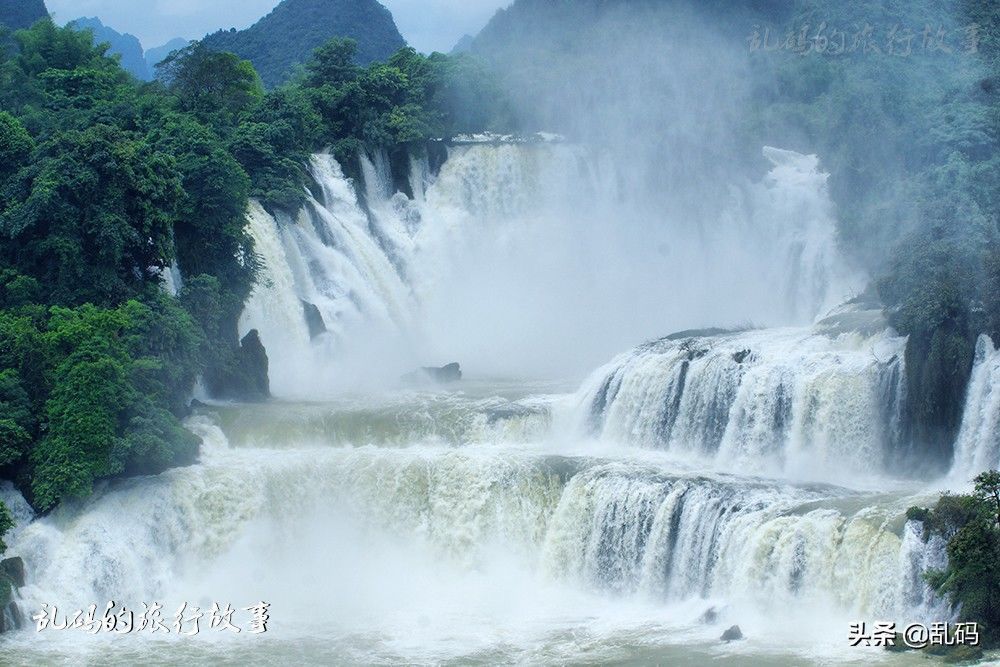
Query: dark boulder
<point x="732" y="634"/>
<point x="314" y="319"/>
<point x="13" y="568"/>
<point x="11" y="578"/>
<point x="254" y="364"/>
<point x="243" y="374"/>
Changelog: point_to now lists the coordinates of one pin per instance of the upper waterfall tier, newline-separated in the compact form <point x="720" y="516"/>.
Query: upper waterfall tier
<point x="366" y="282"/>
<point x="814" y="403"/>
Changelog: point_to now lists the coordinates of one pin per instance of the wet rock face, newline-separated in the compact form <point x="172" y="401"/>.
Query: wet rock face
<point x="732" y="634"/>
<point x="244" y="376"/>
<point x="13" y="568"/>
<point x="710" y="617"/>
<point x="11" y="578"/>
<point x="254" y="364"/>
<point x="314" y="319"/>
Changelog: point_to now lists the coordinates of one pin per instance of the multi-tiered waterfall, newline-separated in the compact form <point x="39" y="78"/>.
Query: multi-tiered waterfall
<point x="739" y="475"/>
<point x="525" y="242"/>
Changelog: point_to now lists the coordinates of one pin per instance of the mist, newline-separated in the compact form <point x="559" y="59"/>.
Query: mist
<point x="656" y="214"/>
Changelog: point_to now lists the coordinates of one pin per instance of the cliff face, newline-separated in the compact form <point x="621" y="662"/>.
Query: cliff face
<point x="125" y="45"/>
<point x="19" y="14"/>
<point x="289" y="34"/>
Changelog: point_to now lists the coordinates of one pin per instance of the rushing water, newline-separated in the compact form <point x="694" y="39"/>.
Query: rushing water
<point x="744" y="476"/>
<point x="430" y="526"/>
<point x="456" y="272"/>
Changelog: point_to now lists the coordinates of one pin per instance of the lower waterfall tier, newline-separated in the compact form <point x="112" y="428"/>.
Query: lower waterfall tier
<point x="451" y="548"/>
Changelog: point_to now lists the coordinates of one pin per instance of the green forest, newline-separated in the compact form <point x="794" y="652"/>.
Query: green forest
<point x="107" y="181"/>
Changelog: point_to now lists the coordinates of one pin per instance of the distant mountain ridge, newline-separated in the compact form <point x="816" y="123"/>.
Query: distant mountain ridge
<point x="20" y="14"/>
<point x="127" y="46"/>
<point x="158" y="54"/>
<point x="288" y="35"/>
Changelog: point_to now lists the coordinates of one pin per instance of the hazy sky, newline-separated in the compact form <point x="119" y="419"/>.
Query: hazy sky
<point x="426" y="24"/>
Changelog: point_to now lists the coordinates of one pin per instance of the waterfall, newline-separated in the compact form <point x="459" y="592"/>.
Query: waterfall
<point x="612" y="525"/>
<point x="391" y="282"/>
<point x="325" y="282"/>
<point x="631" y="530"/>
<point x="978" y="445"/>
<point x="792" y="402"/>
<point x="749" y="472"/>
<point x="274" y="307"/>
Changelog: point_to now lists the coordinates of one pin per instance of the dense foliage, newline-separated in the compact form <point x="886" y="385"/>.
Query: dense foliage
<point x="287" y="36"/>
<point x="125" y="46"/>
<point x="106" y="182"/>
<point x="332" y="103"/>
<point x="971" y="525"/>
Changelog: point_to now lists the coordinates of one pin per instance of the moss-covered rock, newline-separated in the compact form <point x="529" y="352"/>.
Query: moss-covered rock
<point x="954" y="655"/>
<point x="13" y="569"/>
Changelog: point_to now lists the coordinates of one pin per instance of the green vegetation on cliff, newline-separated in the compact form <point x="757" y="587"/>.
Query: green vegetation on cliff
<point x="107" y="182"/>
<point x="397" y="105"/>
<point x="971" y="526"/>
<point x="104" y="183"/>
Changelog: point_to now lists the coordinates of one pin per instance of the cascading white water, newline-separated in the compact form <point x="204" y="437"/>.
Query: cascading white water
<point x="632" y="529"/>
<point x="474" y="526"/>
<point x="804" y="403"/>
<point x="454" y="272"/>
<point x="326" y="259"/>
<point x="978" y="445"/>
<point x="357" y="542"/>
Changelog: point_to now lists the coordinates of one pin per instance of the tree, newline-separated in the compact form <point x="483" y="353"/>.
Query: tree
<point x="15" y="146"/>
<point x="971" y="578"/>
<point x="214" y="87"/>
<point x="96" y="222"/>
<point x="988" y="489"/>
<point x="333" y="64"/>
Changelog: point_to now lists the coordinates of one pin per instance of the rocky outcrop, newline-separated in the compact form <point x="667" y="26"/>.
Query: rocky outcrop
<point x="732" y="634"/>
<point x="710" y="617"/>
<point x="245" y="375"/>
<point x="430" y="375"/>
<point x="13" y="570"/>
<point x="314" y="319"/>
<point x="254" y="364"/>
<point x="12" y="578"/>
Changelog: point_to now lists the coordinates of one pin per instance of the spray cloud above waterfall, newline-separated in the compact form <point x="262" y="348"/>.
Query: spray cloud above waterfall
<point x="656" y="214"/>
